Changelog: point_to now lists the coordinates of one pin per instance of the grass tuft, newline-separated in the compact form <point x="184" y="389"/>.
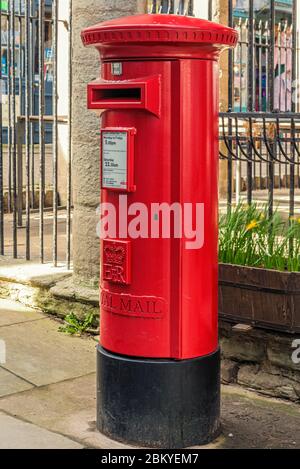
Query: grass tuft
<point x="248" y="236"/>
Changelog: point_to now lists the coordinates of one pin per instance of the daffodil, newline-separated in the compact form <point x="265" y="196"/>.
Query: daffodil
<point x="252" y="225"/>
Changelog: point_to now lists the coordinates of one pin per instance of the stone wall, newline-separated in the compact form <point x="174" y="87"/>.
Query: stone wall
<point x="260" y="360"/>
<point x="86" y="152"/>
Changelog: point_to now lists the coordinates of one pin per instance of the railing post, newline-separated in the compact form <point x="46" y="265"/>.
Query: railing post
<point x="271" y="104"/>
<point x="294" y="105"/>
<point x="230" y="106"/>
<point x="1" y="155"/>
<point x="41" y="24"/>
<point x="210" y="9"/>
<point x="20" y="134"/>
<point x="250" y="94"/>
<point x="28" y="85"/>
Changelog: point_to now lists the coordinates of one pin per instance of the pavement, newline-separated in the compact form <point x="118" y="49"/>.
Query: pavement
<point x="47" y="393"/>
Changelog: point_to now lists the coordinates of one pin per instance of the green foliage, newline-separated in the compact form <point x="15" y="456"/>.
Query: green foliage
<point x="248" y="236"/>
<point x="75" y="326"/>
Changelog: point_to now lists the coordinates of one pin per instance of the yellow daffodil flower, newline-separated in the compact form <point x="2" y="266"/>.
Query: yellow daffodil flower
<point x="252" y="225"/>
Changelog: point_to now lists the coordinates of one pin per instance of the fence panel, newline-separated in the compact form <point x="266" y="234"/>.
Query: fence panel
<point x="263" y="78"/>
<point x="263" y="83"/>
<point x="35" y="207"/>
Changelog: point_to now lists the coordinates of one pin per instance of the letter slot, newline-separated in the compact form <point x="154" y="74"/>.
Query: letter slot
<point x="135" y="94"/>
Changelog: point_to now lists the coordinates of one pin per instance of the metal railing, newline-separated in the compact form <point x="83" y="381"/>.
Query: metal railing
<point x="179" y="7"/>
<point x="263" y="154"/>
<point x="259" y="133"/>
<point x="35" y="218"/>
<point x="262" y="85"/>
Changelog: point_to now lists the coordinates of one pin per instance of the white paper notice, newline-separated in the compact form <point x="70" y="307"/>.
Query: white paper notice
<point x="114" y="160"/>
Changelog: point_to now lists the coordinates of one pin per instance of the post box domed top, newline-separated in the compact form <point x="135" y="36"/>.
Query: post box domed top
<point x="167" y="34"/>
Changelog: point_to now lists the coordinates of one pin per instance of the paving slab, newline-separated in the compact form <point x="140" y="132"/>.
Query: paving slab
<point x="15" y="434"/>
<point x="38" y="353"/>
<point x="15" y="313"/>
<point x="11" y="384"/>
<point x="68" y="408"/>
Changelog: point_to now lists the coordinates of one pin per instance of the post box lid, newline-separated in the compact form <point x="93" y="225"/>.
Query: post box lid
<point x="160" y="29"/>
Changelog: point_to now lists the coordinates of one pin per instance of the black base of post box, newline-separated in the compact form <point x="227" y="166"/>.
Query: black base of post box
<point x="159" y="403"/>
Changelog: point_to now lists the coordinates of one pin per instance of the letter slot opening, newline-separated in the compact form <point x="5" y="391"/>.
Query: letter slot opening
<point x="117" y="95"/>
<point x="141" y="94"/>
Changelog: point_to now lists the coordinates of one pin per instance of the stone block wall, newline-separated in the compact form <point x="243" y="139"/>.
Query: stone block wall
<point x="260" y="360"/>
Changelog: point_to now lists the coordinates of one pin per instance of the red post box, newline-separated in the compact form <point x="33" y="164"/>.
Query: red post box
<point x="158" y="359"/>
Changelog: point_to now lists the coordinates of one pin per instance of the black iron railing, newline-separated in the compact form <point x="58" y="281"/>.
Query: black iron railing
<point x="260" y="130"/>
<point x="263" y="154"/>
<point x="32" y="174"/>
<point x="179" y="7"/>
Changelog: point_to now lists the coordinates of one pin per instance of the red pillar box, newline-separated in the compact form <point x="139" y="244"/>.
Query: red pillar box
<point x="158" y="359"/>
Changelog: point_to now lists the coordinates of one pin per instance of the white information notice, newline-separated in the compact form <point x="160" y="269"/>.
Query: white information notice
<point x="114" y="160"/>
